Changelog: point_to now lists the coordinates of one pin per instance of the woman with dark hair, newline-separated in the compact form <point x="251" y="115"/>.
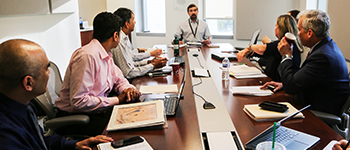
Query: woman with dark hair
<point x="269" y="51"/>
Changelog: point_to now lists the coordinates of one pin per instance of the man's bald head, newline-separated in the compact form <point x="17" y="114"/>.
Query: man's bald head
<point x="18" y="58"/>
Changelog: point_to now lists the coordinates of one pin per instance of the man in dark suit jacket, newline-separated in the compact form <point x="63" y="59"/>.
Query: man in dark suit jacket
<point x="323" y="80"/>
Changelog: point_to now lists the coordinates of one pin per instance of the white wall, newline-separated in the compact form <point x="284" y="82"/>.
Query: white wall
<point x="88" y="9"/>
<point x="339" y="13"/>
<point x="175" y="16"/>
<point x="58" y="34"/>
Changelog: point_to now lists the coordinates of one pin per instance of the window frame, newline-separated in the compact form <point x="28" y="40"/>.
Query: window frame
<point x="144" y="31"/>
<point x="219" y="36"/>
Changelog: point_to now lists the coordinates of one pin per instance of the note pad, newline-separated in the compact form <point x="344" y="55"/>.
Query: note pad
<point x="244" y="71"/>
<point x="258" y="114"/>
<point x="221" y="140"/>
<point x="158" y="89"/>
<point x="251" y="90"/>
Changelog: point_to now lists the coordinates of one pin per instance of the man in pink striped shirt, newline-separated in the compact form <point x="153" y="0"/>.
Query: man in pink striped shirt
<point x="91" y="75"/>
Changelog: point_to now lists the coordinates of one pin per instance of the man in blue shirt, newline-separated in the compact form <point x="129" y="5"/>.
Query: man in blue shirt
<point x="23" y="76"/>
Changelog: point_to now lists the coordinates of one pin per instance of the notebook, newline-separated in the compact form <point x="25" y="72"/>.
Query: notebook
<point x="291" y="139"/>
<point x="178" y="59"/>
<point x="171" y="102"/>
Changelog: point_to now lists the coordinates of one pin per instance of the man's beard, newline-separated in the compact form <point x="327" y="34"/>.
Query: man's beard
<point x="194" y="17"/>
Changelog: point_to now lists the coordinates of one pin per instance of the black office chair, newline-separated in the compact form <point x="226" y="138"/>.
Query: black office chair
<point x="46" y="104"/>
<point x="339" y="124"/>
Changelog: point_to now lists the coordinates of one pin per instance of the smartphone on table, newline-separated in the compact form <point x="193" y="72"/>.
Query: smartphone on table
<point x="126" y="142"/>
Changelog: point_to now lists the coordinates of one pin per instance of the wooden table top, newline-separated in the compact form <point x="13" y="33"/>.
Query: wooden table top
<point x="183" y="130"/>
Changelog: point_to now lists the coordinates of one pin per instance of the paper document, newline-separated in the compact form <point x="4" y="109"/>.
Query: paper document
<point x="244" y="71"/>
<point x="221" y="140"/>
<point x="171" y="46"/>
<point x="330" y="145"/>
<point x="139" y="146"/>
<point x="158" y="89"/>
<point x="137" y="115"/>
<point x="251" y="90"/>
<point x="194" y="43"/>
<point x="152" y="49"/>
<point x="259" y="114"/>
<point x="201" y="72"/>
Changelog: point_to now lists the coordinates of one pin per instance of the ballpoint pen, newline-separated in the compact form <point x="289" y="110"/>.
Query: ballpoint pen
<point x="270" y="87"/>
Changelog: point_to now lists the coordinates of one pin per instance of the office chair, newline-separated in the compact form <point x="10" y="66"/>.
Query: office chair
<point x="46" y="103"/>
<point x="253" y="39"/>
<point x="339" y="124"/>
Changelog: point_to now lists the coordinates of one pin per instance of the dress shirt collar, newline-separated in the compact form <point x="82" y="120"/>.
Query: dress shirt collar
<point x="123" y="36"/>
<point x="192" y="21"/>
<point x="101" y="50"/>
<point x="13" y="106"/>
<point x="320" y="43"/>
<point x="313" y="47"/>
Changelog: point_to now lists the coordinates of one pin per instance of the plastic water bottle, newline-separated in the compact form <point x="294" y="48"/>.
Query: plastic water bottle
<point x="225" y="68"/>
<point x="81" y="23"/>
<point x="176" y="46"/>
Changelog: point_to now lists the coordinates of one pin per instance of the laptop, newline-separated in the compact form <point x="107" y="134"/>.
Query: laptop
<point x="291" y="139"/>
<point x="171" y="102"/>
<point x="221" y="56"/>
<point x="178" y="59"/>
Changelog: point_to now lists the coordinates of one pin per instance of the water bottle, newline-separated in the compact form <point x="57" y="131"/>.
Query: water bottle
<point x="225" y="68"/>
<point x="176" y="46"/>
<point x="81" y="23"/>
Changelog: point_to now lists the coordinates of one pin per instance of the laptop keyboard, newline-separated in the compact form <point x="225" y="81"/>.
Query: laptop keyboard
<point x="169" y="104"/>
<point x="283" y="136"/>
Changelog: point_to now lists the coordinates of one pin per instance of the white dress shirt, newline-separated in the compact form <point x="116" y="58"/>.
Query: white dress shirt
<point x="132" y="63"/>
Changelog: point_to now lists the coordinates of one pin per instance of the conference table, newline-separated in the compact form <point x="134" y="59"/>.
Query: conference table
<point x="182" y="131"/>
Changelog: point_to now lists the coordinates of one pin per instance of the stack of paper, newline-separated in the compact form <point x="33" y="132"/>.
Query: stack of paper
<point x="258" y="114"/>
<point x="251" y="90"/>
<point x="182" y="45"/>
<point x="152" y="49"/>
<point x="211" y="45"/>
<point x="244" y="71"/>
<point x="137" y="115"/>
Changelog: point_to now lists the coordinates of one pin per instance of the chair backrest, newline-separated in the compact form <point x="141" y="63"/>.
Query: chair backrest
<point x="255" y="37"/>
<point x="346" y="106"/>
<point x="47" y="100"/>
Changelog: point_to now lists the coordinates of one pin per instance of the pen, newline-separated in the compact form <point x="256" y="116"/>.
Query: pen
<point x="270" y="87"/>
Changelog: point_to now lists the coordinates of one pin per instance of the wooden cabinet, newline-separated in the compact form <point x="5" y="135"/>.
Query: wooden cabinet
<point x="86" y="36"/>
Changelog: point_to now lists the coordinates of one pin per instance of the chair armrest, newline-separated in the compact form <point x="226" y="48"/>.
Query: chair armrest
<point x="66" y="121"/>
<point x="329" y="119"/>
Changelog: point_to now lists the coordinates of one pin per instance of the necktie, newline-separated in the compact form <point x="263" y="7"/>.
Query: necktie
<point x="308" y="54"/>
<point x="34" y="122"/>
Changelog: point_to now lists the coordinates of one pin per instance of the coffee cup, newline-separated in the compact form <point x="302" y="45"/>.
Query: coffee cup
<point x="267" y="145"/>
<point x="290" y="37"/>
<point x="176" y="67"/>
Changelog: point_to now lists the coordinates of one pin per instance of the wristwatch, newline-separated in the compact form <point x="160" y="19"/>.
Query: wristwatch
<point x="287" y="56"/>
<point x="250" y="49"/>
